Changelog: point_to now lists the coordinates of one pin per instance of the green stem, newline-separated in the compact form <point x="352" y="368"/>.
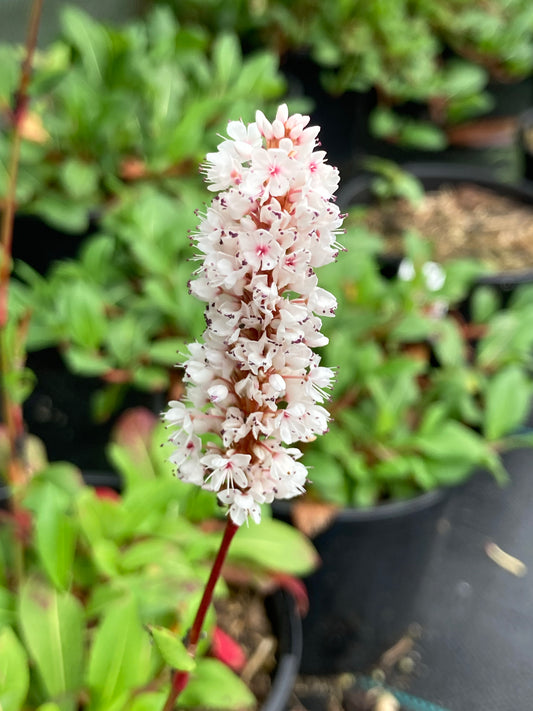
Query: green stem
<point x="180" y="678"/>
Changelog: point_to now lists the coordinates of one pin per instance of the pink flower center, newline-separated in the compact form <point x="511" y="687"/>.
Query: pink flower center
<point x="274" y="170"/>
<point x="261" y="250"/>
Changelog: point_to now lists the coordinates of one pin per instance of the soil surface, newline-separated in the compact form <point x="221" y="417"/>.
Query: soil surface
<point x="242" y="615"/>
<point x="462" y="221"/>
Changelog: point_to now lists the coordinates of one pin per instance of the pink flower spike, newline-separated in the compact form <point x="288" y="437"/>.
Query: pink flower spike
<point x="254" y="386"/>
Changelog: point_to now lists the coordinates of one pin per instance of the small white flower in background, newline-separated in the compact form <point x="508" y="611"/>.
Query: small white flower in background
<point x="254" y="383"/>
<point x="434" y="275"/>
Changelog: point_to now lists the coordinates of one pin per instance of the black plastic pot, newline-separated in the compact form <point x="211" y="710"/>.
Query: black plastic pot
<point x="433" y="176"/>
<point x="525" y="143"/>
<point x="287" y="627"/>
<point x="362" y="595"/>
<point x="58" y="411"/>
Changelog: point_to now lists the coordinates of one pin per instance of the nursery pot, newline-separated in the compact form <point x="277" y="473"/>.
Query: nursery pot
<point x="287" y="627"/>
<point x="358" y="192"/>
<point x="525" y="143"/>
<point x="361" y="597"/>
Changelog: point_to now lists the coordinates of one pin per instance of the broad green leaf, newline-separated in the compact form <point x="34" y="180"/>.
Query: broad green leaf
<point x="151" y="701"/>
<point x="56" y="534"/>
<point x="214" y="686"/>
<point x="86" y="315"/>
<point x="166" y="351"/>
<point x="78" y="178"/>
<point x="49" y="706"/>
<point x="90" y="39"/>
<point x="227" y="59"/>
<point x="172" y="649"/>
<point x="86" y="362"/>
<point x="119" y="660"/>
<point x="274" y="545"/>
<point x="52" y="626"/>
<point x="8" y="605"/>
<point x="508" y="402"/>
<point x="14" y="671"/>
<point x="327" y="475"/>
<point x="68" y="215"/>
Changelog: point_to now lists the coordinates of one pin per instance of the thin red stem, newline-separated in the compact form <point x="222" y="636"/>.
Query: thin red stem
<point x="180" y="678"/>
<point x="11" y="409"/>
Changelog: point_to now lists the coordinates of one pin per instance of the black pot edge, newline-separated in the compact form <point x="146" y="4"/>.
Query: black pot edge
<point x="381" y="512"/>
<point x="287" y="625"/>
<point x="357" y="191"/>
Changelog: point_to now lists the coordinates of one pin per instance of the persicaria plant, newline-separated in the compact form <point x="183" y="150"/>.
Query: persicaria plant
<point x="254" y="386"/>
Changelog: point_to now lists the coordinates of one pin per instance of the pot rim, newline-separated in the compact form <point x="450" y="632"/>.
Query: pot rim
<point x="281" y="606"/>
<point x="388" y="510"/>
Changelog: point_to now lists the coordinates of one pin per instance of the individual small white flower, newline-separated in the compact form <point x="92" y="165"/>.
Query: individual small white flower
<point x="406" y="270"/>
<point x="241" y="506"/>
<point x="254" y="383"/>
<point x="435" y="276"/>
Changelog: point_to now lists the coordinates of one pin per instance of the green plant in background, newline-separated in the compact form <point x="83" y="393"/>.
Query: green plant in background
<point x="113" y="106"/>
<point x="119" y="121"/>
<point x="418" y="404"/>
<point x="439" y="54"/>
<point x="91" y="581"/>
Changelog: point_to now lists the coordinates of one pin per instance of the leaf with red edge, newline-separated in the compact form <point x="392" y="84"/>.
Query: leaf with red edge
<point x="227" y="650"/>
<point x="129" y="451"/>
<point x="296" y="588"/>
<point x="134" y="429"/>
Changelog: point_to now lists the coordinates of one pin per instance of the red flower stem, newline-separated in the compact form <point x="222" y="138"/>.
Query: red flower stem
<point x="180" y="678"/>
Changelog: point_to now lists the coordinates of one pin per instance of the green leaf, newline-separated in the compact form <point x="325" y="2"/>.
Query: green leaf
<point x="274" y="545"/>
<point x="449" y="345"/>
<point x="86" y="362"/>
<point x="508" y="402"/>
<point x="484" y="303"/>
<point x="8" y="606"/>
<point x="49" y="706"/>
<point x="14" y="671"/>
<point x="90" y="39"/>
<point x="52" y="626"/>
<point x="166" y="350"/>
<point x="119" y="660"/>
<point x="55" y="538"/>
<point x="86" y="315"/>
<point x="227" y="59"/>
<point x="79" y="179"/>
<point x="454" y="441"/>
<point x="151" y="701"/>
<point x="213" y="685"/>
<point x="56" y="210"/>
<point x="327" y="475"/>
<point x="172" y="649"/>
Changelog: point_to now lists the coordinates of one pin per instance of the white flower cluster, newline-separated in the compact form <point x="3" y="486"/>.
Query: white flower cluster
<point x="254" y="381"/>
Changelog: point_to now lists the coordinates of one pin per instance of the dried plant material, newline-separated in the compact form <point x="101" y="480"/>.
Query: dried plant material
<point x="505" y="560"/>
<point x="476" y="222"/>
<point x="387" y="702"/>
<point x="264" y="649"/>
<point x="312" y="517"/>
<point x="32" y="129"/>
<point x="395" y="653"/>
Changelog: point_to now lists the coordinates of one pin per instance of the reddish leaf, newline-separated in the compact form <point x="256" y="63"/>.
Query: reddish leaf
<point x="134" y="429"/>
<point x="296" y="588"/>
<point x="227" y="650"/>
<point x="106" y="492"/>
